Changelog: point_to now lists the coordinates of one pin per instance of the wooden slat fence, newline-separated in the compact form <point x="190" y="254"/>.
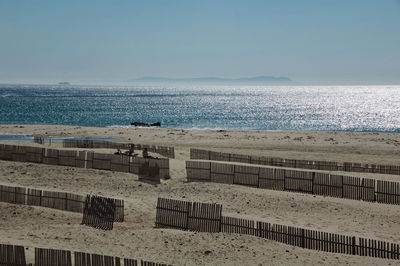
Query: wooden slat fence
<point x="328" y="185"/>
<point x="51" y="257"/>
<point x="52" y="199"/>
<point x="12" y="255"/>
<point x="387" y="192"/>
<point x="237" y="225"/>
<point x="99" y="212"/>
<point x="323" y="184"/>
<point x="172" y="213"/>
<point x="149" y="263"/>
<point x="168" y="152"/>
<point x="296" y="236"/>
<point x="205" y="217"/>
<point x="291" y="163"/>
<point x="157" y="167"/>
<point x="87" y="259"/>
<point x="200" y="217"/>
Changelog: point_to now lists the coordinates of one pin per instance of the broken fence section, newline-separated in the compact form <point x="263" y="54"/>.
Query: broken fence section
<point x="99" y="212"/>
<point x="51" y="199"/>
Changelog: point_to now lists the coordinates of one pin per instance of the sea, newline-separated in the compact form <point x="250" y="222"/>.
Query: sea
<point x="289" y="108"/>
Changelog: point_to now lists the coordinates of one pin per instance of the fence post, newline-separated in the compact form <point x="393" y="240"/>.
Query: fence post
<point x="353" y="245"/>
<point x="303" y="240"/>
<point x="313" y="178"/>
<point x="40" y="198"/>
<point x="342" y="187"/>
<point x="258" y="178"/>
<point x="66" y="201"/>
<point x="189" y="206"/>
<point x="284" y="179"/>
<point x="220" y="220"/>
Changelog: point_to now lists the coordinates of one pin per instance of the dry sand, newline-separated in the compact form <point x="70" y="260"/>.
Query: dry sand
<point x="137" y="237"/>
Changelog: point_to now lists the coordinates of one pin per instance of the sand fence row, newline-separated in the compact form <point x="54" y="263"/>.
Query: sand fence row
<point x="198" y="154"/>
<point x="205" y="217"/>
<point x="168" y="152"/>
<point x="148" y="169"/>
<point x="315" y="183"/>
<point x="57" y="200"/>
<point x="15" y="256"/>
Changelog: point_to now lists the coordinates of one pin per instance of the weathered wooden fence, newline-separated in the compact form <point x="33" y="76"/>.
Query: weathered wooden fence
<point x="11" y="255"/>
<point x="316" y="183"/>
<point x="168" y="152"/>
<point x="152" y="169"/>
<point x="202" y="217"/>
<point x="197" y="154"/>
<point x="99" y="212"/>
<point x="52" y="199"/>
<point x="51" y="257"/>
<point x="176" y="214"/>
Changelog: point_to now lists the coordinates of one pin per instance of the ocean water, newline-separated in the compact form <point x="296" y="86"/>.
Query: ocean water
<point x="299" y="108"/>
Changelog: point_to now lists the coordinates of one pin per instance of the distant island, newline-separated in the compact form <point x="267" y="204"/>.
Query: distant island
<point x="259" y="80"/>
<point x="64" y="83"/>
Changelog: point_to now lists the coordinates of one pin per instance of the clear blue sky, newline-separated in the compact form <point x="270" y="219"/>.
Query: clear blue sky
<point x="312" y="42"/>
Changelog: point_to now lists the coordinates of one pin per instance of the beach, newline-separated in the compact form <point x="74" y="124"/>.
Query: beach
<point x="136" y="237"/>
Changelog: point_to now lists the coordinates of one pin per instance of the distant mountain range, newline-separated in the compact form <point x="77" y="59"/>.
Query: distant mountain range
<point x="261" y="80"/>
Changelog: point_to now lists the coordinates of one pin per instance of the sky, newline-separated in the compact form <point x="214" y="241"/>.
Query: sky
<point x="311" y="42"/>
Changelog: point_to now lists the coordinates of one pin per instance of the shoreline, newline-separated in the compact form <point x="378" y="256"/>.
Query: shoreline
<point x="363" y="147"/>
<point x="213" y="129"/>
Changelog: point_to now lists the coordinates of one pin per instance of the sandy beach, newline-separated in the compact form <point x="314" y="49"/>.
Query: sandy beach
<point x="136" y="237"/>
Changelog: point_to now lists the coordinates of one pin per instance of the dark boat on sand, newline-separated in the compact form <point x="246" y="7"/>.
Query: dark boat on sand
<point x="142" y="124"/>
